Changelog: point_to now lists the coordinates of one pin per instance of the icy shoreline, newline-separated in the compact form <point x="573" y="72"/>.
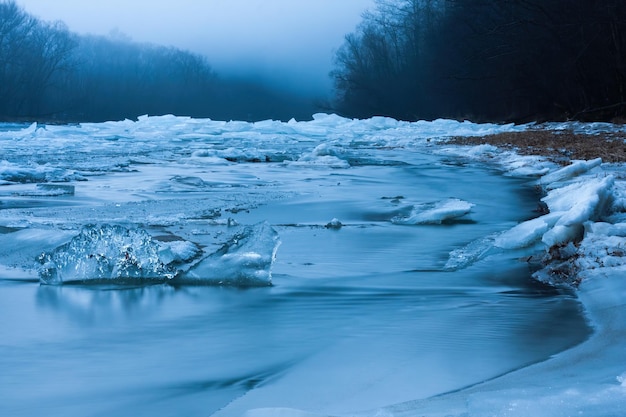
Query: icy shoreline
<point x="585" y="200"/>
<point x="581" y="242"/>
<point x="588" y="200"/>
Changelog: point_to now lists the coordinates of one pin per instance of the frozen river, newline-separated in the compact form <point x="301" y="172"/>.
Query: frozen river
<point x="379" y="292"/>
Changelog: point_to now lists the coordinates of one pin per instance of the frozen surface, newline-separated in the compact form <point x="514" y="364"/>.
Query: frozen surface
<point x="402" y="284"/>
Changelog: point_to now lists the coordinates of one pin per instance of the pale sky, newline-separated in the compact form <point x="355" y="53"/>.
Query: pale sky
<point x="287" y="41"/>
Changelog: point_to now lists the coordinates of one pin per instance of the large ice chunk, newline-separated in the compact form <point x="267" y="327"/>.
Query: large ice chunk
<point x="527" y="233"/>
<point x="581" y="202"/>
<point x="435" y="213"/>
<point x="120" y="255"/>
<point x="323" y="155"/>
<point x="35" y="173"/>
<point x="571" y="206"/>
<point x="245" y="260"/>
<point x="581" y="194"/>
<point x="573" y="170"/>
<point x="108" y="253"/>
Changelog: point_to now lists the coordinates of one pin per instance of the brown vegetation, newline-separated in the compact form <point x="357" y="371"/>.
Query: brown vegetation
<point x="560" y="146"/>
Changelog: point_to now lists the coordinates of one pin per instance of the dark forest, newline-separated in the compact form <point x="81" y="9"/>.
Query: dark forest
<point x="483" y="60"/>
<point x="486" y="60"/>
<point x="49" y="74"/>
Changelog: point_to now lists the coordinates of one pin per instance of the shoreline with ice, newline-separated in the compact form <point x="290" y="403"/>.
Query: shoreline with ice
<point x="585" y="248"/>
<point x="581" y="243"/>
<point x="584" y="223"/>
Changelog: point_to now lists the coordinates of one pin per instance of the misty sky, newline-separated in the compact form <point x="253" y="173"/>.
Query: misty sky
<point x="239" y="37"/>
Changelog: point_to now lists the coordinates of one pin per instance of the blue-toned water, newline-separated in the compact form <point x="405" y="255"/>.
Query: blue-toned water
<point x="357" y="317"/>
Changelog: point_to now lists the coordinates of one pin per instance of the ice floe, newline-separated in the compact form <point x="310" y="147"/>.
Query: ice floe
<point x="115" y="254"/>
<point x="13" y="173"/>
<point x="574" y="169"/>
<point x="103" y="253"/>
<point x="245" y="260"/>
<point x="435" y="213"/>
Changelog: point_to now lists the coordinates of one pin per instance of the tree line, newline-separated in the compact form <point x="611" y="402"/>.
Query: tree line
<point x="504" y="60"/>
<point x="49" y="73"/>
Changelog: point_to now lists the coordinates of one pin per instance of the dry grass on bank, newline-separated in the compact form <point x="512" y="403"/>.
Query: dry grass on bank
<point x="561" y="146"/>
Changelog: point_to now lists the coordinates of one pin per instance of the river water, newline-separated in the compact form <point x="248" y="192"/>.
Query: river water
<point x="357" y="317"/>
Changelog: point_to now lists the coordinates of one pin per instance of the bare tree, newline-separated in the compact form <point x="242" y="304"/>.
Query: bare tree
<point x="32" y="53"/>
<point x="381" y="66"/>
<point x="485" y="59"/>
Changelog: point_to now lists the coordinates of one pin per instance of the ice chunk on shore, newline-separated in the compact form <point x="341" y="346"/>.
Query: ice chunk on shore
<point x="571" y="206"/>
<point x="575" y="169"/>
<point x="579" y="193"/>
<point x="435" y="213"/>
<point x="606" y="229"/>
<point x="528" y="232"/>
<point x="245" y="260"/>
<point x="581" y="202"/>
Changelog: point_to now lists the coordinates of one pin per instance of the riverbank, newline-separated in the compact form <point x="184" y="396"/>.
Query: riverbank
<point x="580" y="238"/>
<point x="589" y="379"/>
<point x="561" y="145"/>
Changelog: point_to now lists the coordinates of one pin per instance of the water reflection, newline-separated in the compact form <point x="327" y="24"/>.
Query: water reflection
<point x="88" y="305"/>
<point x="91" y="305"/>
